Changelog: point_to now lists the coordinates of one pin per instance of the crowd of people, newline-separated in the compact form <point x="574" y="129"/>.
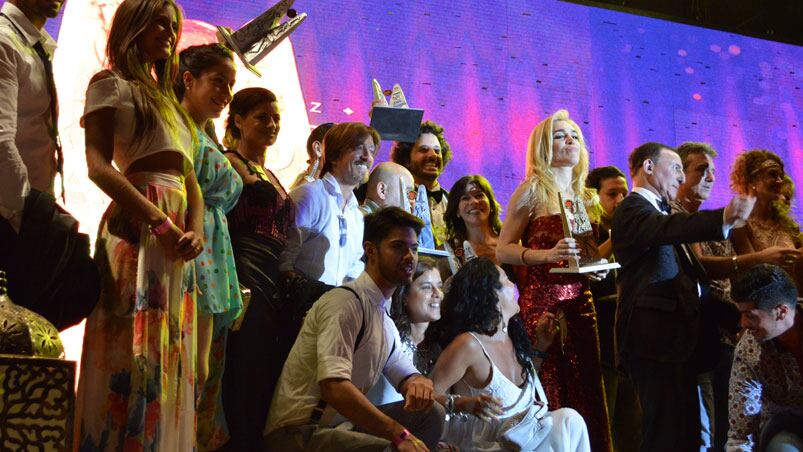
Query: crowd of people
<point x="235" y="315"/>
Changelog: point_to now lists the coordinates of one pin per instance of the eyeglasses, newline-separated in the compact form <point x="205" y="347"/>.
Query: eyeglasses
<point x="342" y="222"/>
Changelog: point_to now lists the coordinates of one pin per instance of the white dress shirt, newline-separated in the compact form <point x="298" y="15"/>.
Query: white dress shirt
<point x="314" y="244"/>
<point x="324" y="349"/>
<point x="27" y="151"/>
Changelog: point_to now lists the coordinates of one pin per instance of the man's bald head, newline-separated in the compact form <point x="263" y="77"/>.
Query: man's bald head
<point x="383" y="184"/>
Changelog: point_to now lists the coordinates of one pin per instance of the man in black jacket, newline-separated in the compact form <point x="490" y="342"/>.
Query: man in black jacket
<point x="657" y="321"/>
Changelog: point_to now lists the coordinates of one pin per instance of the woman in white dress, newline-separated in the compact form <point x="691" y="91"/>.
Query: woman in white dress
<point x="496" y="400"/>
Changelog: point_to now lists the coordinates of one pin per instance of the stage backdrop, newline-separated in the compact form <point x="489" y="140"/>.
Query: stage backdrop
<point x="488" y="71"/>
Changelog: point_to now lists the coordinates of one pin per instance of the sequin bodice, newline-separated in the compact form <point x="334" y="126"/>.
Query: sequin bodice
<point x="262" y="210"/>
<point x="535" y="281"/>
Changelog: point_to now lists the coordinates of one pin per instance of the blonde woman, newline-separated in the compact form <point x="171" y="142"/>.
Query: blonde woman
<point x="532" y="237"/>
<point x="137" y="372"/>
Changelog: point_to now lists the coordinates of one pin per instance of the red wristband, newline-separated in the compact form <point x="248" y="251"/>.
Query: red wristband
<point x="401" y="438"/>
<point x="162" y="228"/>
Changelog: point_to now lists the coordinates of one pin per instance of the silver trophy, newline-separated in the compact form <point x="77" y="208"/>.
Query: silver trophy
<point x="261" y="35"/>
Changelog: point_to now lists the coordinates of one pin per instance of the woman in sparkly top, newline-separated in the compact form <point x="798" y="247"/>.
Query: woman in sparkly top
<point x="258" y="225"/>
<point x="532" y="237"/>
<point x="761" y="173"/>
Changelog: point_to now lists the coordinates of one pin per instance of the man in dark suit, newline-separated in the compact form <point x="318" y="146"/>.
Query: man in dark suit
<point x="657" y="319"/>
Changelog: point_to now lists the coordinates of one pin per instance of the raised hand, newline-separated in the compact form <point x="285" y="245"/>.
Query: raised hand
<point x="738" y="210"/>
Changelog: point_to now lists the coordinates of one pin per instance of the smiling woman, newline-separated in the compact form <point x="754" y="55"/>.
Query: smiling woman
<point x="137" y="384"/>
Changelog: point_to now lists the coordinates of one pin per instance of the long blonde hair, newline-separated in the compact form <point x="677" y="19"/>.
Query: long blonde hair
<point x="543" y="189"/>
<point x="128" y="60"/>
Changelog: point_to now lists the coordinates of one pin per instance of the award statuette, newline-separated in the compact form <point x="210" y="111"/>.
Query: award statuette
<point x="426" y="239"/>
<point x="575" y="267"/>
<point x="395" y="121"/>
<point x="259" y="36"/>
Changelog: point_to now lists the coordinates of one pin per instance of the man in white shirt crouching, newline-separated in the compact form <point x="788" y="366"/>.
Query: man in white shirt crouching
<point x="346" y="342"/>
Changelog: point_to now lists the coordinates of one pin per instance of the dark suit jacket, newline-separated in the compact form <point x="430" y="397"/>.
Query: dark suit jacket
<point x="657" y="315"/>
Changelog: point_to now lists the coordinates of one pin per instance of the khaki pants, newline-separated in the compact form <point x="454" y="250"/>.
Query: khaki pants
<point x="425" y="425"/>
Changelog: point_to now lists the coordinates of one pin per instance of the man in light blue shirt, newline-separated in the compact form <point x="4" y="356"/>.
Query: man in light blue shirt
<point x="326" y="243"/>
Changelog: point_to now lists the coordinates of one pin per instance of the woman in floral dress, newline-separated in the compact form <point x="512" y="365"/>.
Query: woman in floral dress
<point x="136" y="390"/>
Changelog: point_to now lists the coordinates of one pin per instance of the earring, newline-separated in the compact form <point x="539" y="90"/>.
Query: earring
<point x="504" y="328"/>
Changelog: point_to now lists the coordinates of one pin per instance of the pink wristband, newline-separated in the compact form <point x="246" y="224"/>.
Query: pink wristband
<point x="162" y="228"/>
<point x="401" y="438"/>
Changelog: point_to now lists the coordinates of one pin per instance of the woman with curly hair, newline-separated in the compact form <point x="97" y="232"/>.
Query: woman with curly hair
<point x="532" y="238"/>
<point x="472" y="215"/>
<point x="761" y="173"/>
<point x="496" y="400"/>
<point x="137" y="386"/>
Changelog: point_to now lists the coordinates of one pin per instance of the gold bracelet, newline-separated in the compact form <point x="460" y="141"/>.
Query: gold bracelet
<point x="735" y="266"/>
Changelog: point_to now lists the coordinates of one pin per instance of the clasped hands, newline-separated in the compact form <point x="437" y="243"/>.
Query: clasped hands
<point x="186" y="245"/>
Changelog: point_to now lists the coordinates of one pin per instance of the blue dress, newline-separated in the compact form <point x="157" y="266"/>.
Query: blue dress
<point x="219" y="293"/>
<point x="221" y="187"/>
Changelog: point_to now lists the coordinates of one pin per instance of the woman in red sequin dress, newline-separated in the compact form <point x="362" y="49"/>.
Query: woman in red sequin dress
<point x="532" y="237"/>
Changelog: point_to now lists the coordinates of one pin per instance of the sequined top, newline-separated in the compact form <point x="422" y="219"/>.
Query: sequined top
<point x="764" y="234"/>
<point x="263" y="209"/>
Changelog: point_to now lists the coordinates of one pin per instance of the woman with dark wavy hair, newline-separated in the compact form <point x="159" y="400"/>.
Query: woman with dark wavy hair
<point x="497" y="402"/>
<point x="472" y="215"/>
<point x="259" y="224"/>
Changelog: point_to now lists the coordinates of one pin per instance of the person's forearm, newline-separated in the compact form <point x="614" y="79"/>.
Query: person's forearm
<point x="125" y="195"/>
<point x="14" y="186"/>
<point x="515" y="254"/>
<point x="344" y="397"/>
<point x="606" y="249"/>
<point x="195" y="207"/>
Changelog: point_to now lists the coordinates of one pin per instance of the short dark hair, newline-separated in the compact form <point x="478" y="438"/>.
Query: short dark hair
<point x="400" y="153"/>
<point x="342" y="138"/>
<point x="317" y="134"/>
<point x="597" y="175"/>
<point x="196" y="60"/>
<point x="688" y="148"/>
<point x="765" y="285"/>
<point x="379" y="224"/>
<point x="242" y="103"/>
<point x="647" y="151"/>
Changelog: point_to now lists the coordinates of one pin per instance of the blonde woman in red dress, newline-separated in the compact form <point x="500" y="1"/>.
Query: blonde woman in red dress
<point x="532" y="237"/>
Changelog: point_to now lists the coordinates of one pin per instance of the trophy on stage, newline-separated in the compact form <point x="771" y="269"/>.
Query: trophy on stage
<point x="395" y="121"/>
<point x="259" y="36"/>
<point x="426" y="239"/>
<point x="574" y="266"/>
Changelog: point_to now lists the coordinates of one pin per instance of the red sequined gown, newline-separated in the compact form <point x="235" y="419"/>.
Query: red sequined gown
<point x="571" y="373"/>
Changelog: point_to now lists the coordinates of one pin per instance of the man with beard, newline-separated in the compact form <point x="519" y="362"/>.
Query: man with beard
<point x="346" y="342"/>
<point x="658" y="314"/>
<point x="326" y="243"/>
<point x="426" y="159"/>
